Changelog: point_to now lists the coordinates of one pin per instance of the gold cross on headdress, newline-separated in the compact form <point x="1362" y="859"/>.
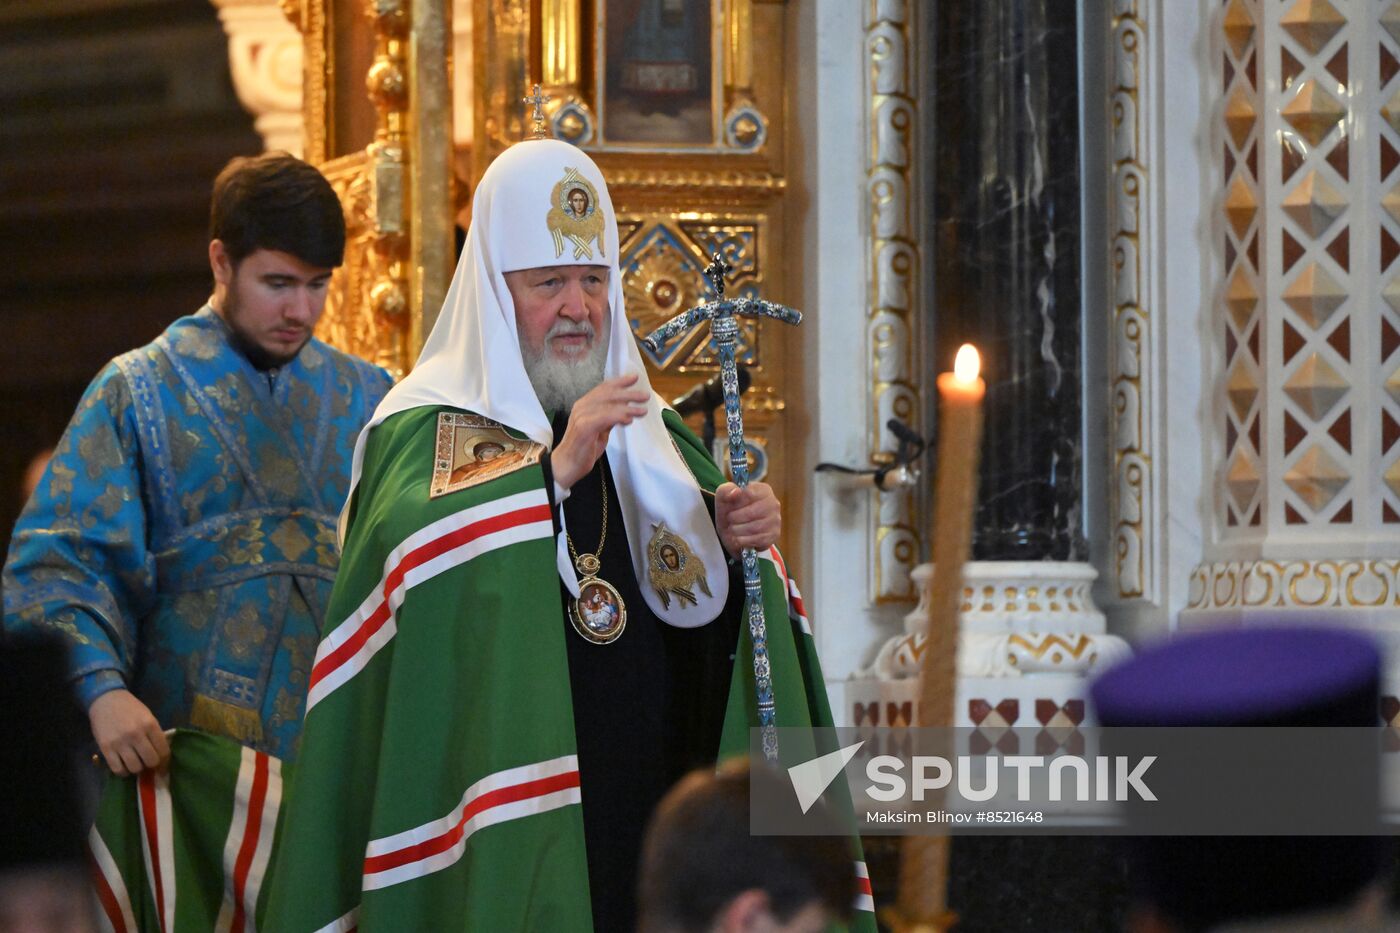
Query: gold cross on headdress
<point x="539" y="99"/>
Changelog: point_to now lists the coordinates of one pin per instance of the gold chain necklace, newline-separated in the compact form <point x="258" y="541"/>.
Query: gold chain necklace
<point x="598" y="612"/>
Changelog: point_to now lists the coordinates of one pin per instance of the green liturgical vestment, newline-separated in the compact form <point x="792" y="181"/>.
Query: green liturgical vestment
<point x="439" y="780"/>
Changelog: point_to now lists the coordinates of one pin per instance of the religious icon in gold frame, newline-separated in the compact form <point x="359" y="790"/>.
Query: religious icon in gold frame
<point x="472" y="449"/>
<point x="660" y="74"/>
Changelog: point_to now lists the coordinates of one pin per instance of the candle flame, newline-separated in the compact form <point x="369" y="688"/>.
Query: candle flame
<point x="967" y="364"/>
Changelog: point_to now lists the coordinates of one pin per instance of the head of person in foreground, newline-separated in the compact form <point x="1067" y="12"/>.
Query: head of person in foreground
<point x="703" y="870"/>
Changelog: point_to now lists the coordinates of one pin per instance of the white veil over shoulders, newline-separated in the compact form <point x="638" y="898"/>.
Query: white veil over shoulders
<point x="522" y="218"/>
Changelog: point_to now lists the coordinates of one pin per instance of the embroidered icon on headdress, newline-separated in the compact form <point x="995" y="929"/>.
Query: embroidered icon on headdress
<point x="673" y="567"/>
<point x="471" y="450"/>
<point x="575" y="215"/>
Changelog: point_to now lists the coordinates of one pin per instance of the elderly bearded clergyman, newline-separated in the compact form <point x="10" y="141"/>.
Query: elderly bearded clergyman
<point x="476" y="754"/>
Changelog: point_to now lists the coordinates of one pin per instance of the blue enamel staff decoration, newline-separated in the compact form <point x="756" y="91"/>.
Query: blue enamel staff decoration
<point x="724" y="331"/>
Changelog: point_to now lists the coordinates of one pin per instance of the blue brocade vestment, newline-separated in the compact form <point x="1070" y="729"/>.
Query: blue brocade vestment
<point x="183" y="537"/>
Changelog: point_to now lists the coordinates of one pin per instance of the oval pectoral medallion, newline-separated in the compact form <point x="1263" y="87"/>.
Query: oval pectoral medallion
<point x="598" y="614"/>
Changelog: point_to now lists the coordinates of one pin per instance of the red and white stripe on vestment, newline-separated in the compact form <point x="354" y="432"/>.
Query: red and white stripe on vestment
<point x="496" y="798"/>
<point x="257" y="798"/>
<point x="158" y="842"/>
<point x="795" y="608"/>
<point x="446" y="543"/>
<point x="864" y="899"/>
<point x="112" y="895"/>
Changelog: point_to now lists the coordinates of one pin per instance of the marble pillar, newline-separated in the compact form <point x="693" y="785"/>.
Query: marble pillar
<point x="1004" y="183"/>
<point x="1001" y="160"/>
<point x="1004" y="177"/>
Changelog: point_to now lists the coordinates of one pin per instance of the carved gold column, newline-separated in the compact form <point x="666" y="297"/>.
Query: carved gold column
<point x="369" y="315"/>
<point x="744" y="126"/>
<point x="397" y="191"/>
<point x="563" y="40"/>
<point x="500" y="62"/>
<point x="432" y="240"/>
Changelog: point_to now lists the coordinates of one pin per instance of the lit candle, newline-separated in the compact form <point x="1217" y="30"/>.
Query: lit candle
<point x="954" y="496"/>
<point x="923" y="883"/>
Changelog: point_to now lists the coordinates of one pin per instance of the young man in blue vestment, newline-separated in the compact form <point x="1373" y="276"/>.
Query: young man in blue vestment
<point x="183" y="537"/>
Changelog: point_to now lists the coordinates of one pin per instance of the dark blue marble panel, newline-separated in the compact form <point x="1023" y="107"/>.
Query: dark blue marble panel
<point x="1004" y="180"/>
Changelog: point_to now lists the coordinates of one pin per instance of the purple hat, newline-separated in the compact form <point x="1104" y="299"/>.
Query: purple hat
<point x="1245" y="677"/>
<point x="1280" y="676"/>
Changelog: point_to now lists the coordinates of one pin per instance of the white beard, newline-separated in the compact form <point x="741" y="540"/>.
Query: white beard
<point x="559" y="384"/>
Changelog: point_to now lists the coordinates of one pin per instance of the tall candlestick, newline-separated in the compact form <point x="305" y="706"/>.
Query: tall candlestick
<point x="954" y="500"/>
<point x="923" y="881"/>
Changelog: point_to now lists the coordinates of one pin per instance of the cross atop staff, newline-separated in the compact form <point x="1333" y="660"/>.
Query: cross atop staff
<point x="720" y="313"/>
<point x="539" y="99"/>
<point x="716" y="271"/>
<point x="724" y="331"/>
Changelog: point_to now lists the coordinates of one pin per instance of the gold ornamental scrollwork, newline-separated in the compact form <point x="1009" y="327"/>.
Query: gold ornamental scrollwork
<point x="893" y="274"/>
<point x="1300" y="584"/>
<point x="1257" y="586"/>
<point x="1131" y="354"/>
<point x="1231" y="584"/>
<point x="367" y="308"/>
<point x="663" y="260"/>
<point x="1054" y="601"/>
<point x="730" y="186"/>
<point x="1372" y="591"/>
<point x="1314" y="584"/>
<point x="1037" y="646"/>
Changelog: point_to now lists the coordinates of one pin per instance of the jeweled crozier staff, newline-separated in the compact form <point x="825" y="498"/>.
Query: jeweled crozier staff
<point x="724" y="331"/>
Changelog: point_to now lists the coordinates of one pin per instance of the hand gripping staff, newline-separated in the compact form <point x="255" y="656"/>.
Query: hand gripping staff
<point x="724" y="330"/>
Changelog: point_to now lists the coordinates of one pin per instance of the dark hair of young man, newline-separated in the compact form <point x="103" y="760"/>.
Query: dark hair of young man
<point x="276" y="201"/>
<point x="699" y="855"/>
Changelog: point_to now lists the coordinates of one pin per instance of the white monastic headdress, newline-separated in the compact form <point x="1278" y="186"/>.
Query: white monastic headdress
<point x="523" y="218"/>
